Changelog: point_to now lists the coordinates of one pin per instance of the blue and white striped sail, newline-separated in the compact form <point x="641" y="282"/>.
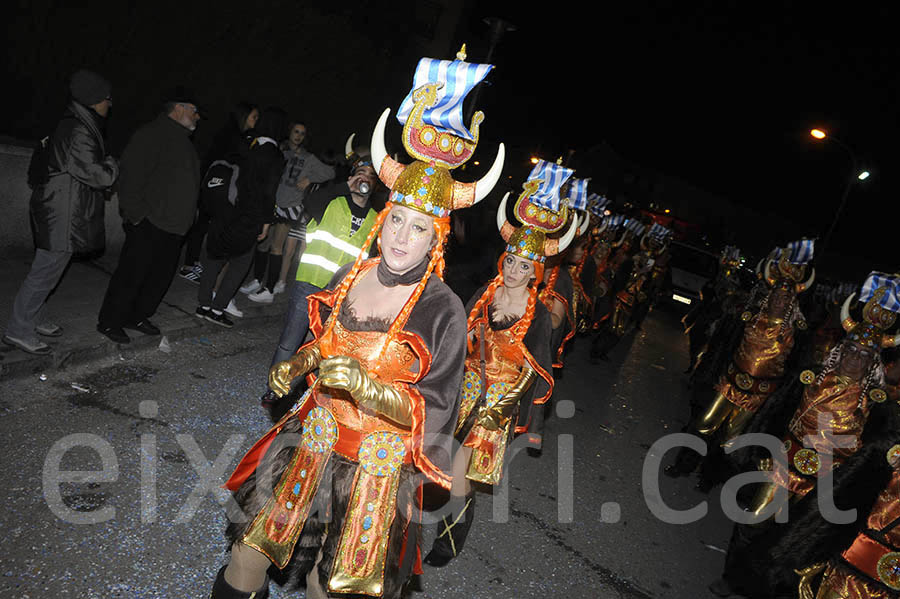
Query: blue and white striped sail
<point x="458" y="79"/>
<point x="578" y="196"/>
<point x="616" y="220"/>
<point x="891" y="283"/>
<point x="597" y="204"/>
<point x="552" y="177"/>
<point x="635" y="226"/>
<point x="800" y="252"/>
<point x="657" y="231"/>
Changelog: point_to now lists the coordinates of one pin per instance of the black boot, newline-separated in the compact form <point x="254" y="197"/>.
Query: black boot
<point x="223" y="590"/>
<point x="453" y="530"/>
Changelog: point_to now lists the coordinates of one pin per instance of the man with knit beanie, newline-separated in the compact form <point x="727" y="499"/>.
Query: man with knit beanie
<point x="67" y="206"/>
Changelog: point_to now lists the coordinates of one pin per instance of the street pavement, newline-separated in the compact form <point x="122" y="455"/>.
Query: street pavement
<point x="155" y="430"/>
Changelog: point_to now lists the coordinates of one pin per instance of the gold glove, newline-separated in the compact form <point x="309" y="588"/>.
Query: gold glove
<point x="342" y="372"/>
<point x="804" y="588"/>
<point x="494" y="417"/>
<point x="281" y="375"/>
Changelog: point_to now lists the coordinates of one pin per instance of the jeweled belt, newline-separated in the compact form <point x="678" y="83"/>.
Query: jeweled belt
<point x="876" y="560"/>
<point x="346" y="441"/>
<point x="751" y="384"/>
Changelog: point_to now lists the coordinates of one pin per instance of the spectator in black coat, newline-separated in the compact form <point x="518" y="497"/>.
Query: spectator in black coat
<point x="67" y="206"/>
<point x="157" y="198"/>
<point x="231" y="240"/>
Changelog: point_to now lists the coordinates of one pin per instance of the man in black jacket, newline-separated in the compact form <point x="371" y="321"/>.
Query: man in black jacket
<point x="157" y="199"/>
<point x="67" y="206"/>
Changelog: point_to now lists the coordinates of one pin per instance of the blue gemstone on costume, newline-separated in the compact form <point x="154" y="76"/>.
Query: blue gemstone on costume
<point x="429" y="171"/>
<point x="421" y="191"/>
<point x="318" y="430"/>
<point x="296" y="488"/>
<point x="522" y="244"/>
<point x="381" y="453"/>
<point x="367" y="523"/>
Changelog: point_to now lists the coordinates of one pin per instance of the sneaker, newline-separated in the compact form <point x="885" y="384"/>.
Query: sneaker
<point x="233" y="310"/>
<point x="251" y="287"/>
<point x="279" y="288"/>
<point x="144" y="326"/>
<point x="263" y="296"/>
<point x="195" y="274"/>
<point x="35" y="346"/>
<point x="202" y="311"/>
<point x="219" y="319"/>
<point x="116" y="334"/>
<point x="49" y="329"/>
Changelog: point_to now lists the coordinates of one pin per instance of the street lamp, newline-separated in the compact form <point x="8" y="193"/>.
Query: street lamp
<point x="855" y="174"/>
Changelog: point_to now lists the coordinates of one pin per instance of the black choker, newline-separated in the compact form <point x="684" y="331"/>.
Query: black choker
<point x="389" y="279"/>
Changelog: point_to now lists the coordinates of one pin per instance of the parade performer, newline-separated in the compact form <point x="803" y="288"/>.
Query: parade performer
<point x="657" y="242"/>
<point x="719" y="298"/>
<point x="828" y="426"/>
<point x="556" y="292"/>
<point x="385" y="367"/>
<point x="628" y="302"/>
<point x="852" y="377"/>
<point x="607" y="239"/>
<point x="859" y="559"/>
<point x="581" y="266"/>
<point x="508" y="376"/>
<point x="758" y="364"/>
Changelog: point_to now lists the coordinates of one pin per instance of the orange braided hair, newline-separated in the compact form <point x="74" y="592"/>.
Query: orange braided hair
<point x="487" y="298"/>
<point x="435" y="263"/>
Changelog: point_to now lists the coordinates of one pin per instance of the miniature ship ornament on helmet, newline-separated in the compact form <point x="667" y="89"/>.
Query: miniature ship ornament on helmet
<point x="791" y="266"/>
<point x="657" y="238"/>
<point x="577" y="198"/>
<point x="597" y="208"/>
<point x="541" y="211"/>
<point x="880" y="296"/>
<point x="434" y="135"/>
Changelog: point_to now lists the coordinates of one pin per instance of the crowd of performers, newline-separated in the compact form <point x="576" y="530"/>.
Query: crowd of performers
<point x="400" y="385"/>
<point x="403" y="386"/>
<point x="815" y="367"/>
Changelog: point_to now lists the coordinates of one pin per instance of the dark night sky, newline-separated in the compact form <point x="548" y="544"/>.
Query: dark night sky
<point x="720" y="94"/>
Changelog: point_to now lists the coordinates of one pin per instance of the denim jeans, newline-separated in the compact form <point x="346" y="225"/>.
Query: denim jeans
<point x="296" y="321"/>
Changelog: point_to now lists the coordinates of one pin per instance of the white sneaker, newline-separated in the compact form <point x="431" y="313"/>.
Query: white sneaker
<point x="279" y="288"/>
<point x="263" y="296"/>
<point x="251" y="287"/>
<point x="233" y="310"/>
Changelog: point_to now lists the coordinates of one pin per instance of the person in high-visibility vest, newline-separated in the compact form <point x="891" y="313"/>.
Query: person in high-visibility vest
<point x="340" y="220"/>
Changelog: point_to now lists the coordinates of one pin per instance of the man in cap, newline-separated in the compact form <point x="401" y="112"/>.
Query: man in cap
<point x="157" y="200"/>
<point x="67" y="205"/>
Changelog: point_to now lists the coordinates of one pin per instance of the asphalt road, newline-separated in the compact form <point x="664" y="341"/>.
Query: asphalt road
<point x="155" y="433"/>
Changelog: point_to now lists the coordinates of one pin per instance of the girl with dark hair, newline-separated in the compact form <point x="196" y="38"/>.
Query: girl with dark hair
<point x="231" y="239"/>
<point x="230" y="142"/>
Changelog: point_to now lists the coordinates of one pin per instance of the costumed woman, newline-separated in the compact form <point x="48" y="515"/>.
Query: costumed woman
<point x="544" y="184"/>
<point x="581" y="266"/>
<point x="606" y="234"/>
<point x="508" y="376"/>
<point x="660" y="278"/>
<point x="336" y="502"/>
<point x="827" y="427"/>
<point x="627" y="302"/>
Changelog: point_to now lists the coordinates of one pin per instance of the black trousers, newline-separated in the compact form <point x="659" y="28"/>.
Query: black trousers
<point x="146" y="267"/>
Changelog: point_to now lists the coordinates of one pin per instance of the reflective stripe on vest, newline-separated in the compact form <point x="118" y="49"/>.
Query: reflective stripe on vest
<point x="329" y="244"/>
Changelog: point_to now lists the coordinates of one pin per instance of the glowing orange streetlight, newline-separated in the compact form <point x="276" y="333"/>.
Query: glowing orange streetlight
<point x="817" y="133"/>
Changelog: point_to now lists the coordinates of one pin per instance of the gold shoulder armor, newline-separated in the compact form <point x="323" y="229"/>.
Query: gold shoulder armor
<point x="807" y="377"/>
